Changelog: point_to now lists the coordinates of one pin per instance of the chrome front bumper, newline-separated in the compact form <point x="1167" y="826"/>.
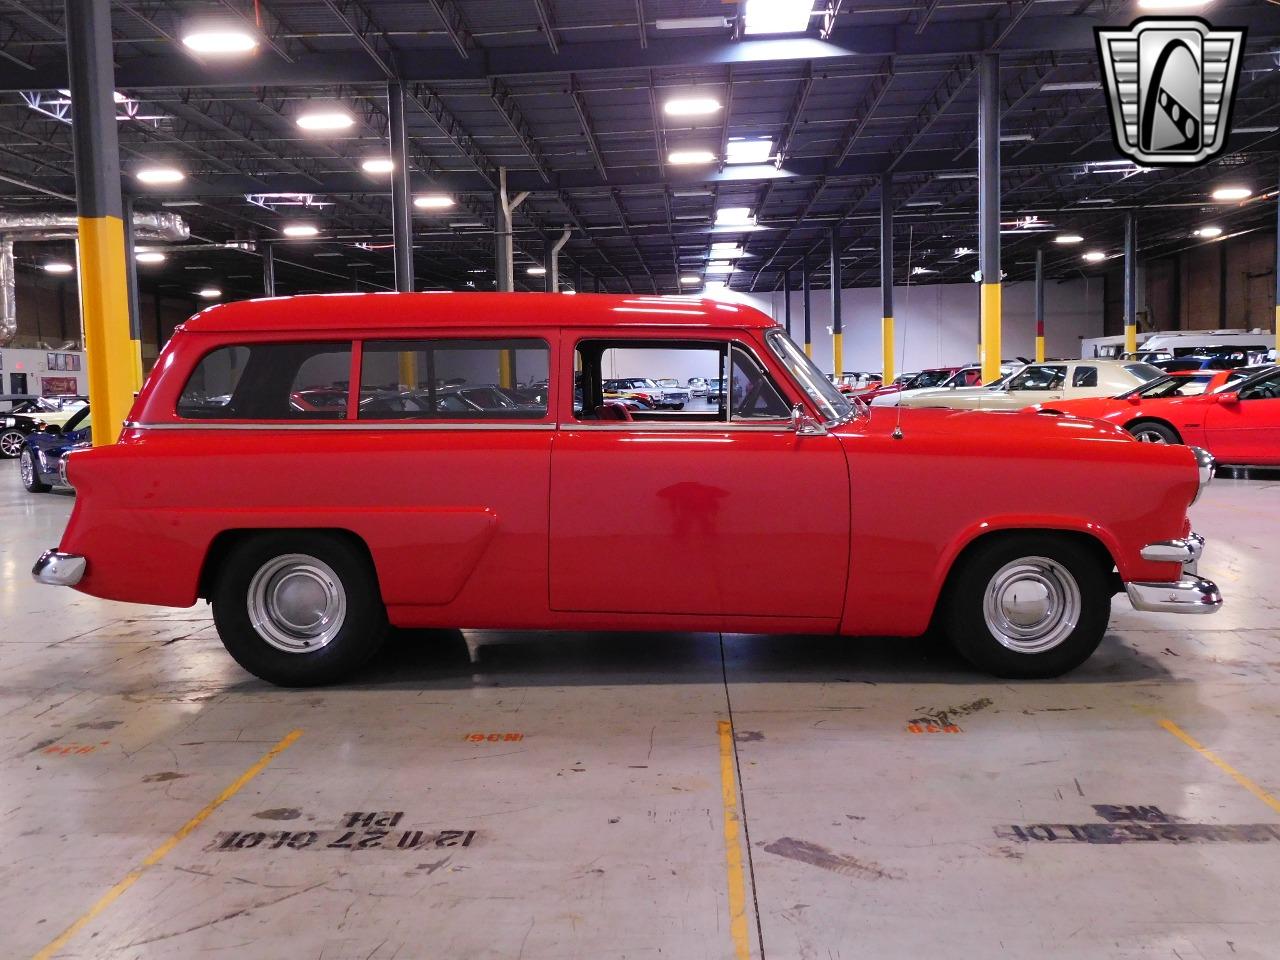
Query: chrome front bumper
<point x="58" y="568"/>
<point x="1190" y="594"/>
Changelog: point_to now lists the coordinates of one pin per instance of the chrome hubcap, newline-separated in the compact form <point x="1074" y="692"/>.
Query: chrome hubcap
<point x="297" y="603"/>
<point x="1149" y="436"/>
<point x="1031" y="605"/>
<point x="10" y="443"/>
<point x="27" y="468"/>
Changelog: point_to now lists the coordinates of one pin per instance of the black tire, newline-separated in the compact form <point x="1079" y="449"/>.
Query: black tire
<point x="363" y="624"/>
<point x="11" y="443"/>
<point x="29" y="471"/>
<point x="1028" y="562"/>
<point x="1150" y="431"/>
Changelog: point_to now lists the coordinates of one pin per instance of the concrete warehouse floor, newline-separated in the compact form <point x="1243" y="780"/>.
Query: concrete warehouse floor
<point x="486" y="795"/>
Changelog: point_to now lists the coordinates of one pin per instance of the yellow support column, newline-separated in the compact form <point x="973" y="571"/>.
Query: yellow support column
<point x="1039" y="349"/>
<point x="990" y="346"/>
<point x="837" y="354"/>
<point x="505" y="369"/>
<point x="886" y="342"/>
<point x="408" y="370"/>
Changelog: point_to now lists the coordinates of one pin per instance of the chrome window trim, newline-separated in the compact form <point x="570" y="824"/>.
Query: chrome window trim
<point x="342" y="425"/>
<point x="646" y="426"/>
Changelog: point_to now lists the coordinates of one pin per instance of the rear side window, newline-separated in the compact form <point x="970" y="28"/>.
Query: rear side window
<point x="1085" y="377"/>
<point x="454" y="379"/>
<point x="269" y="381"/>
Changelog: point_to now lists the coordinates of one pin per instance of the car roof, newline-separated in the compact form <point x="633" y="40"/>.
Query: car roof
<point x="334" y="312"/>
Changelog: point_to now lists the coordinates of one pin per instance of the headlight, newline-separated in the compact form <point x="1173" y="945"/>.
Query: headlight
<point x="1204" y="464"/>
<point x="8" y="422"/>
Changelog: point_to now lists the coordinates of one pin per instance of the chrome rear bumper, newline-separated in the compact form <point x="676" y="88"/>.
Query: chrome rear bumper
<point x="1191" y="594"/>
<point x="58" y="568"/>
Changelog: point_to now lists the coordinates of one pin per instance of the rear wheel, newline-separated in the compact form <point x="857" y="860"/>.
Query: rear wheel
<point x="1148" y="431"/>
<point x="298" y="608"/>
<point x="11" y="443"/>
<point x="30" y="473"/>
<point x="1028" y="605"/>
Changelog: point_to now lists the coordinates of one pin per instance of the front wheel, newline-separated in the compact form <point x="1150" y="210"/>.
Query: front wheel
<point x="11" y="443"/>
<point x="30" y="473"/>
<point x="1028" y="606"/>
<point x="1151" y="432"/>
<point x="298" y="608"/>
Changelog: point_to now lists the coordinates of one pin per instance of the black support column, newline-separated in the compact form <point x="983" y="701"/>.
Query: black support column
<point x="269" y="269"/>
<point x="837" y="324"/>
<point x="989" y="213"/>
<point x="113" y="358"/>
<point x="1130" y="283"/>
<point x="786" y="300"/>
<point x="1039" y="306"/>
<point x="401" y="212"/>
<point x="886" y="276"/>
<point x="807" y="286"/>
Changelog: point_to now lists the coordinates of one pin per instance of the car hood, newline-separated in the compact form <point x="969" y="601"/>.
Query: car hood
<point x="985" y="429"/>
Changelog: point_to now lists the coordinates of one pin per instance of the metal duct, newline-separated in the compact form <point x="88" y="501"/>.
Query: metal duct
<point x="32" y="227"/>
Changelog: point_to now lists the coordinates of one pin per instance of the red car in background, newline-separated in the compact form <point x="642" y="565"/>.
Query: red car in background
<point x="1234" y="414"/>
<point x="924" y="380"/>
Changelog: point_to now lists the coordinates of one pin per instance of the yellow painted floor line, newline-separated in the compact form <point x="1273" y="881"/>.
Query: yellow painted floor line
<point x="160" y="852"/>
<point x="1269" y="799"/>
<point x="734" y="869"/>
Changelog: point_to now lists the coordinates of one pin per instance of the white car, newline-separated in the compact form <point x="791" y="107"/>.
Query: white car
<point x="1042" y="382"/>
<point x="965" y="379"/>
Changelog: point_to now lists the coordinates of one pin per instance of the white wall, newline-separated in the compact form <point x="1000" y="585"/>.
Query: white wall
<point x="34" y="363"/>
<point x="937" y="324"/>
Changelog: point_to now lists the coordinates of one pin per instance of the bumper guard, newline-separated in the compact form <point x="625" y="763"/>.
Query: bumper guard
<point x="58" y="568"/>
<point x="1189" y="594"/>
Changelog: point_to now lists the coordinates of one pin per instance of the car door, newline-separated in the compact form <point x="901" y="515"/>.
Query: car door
<point x="725" y="513"/>
<point x="1247" y="431"/>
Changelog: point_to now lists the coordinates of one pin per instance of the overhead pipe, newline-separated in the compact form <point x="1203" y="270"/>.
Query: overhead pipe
<point x="36" y="227"/>
<point x="506" y="250"/>
<point x="553" y="268"/>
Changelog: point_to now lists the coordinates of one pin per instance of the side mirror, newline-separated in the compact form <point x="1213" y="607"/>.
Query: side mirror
<point x="1229" y="398"/>
<point x="804" y="425"/>
<point x="1134" y="399"/>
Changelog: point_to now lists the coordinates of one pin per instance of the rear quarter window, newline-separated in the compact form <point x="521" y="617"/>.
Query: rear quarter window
<point x="269" y="381"/>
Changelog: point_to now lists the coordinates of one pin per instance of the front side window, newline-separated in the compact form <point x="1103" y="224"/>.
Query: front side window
<point x="1085" y="377"/>
<point x="1266" y="388"/>
<point x="1179" y="386"/>
<point x="454" y="379"/>
<point x="269" y="381"/>
<point x="1039" y="378"/>
<point x="615" y="381"/>
<point x="929" y="378"/>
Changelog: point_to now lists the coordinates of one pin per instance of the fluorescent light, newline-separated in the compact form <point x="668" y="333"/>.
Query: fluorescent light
<point x="964" y="251"/>
<point x="719" y="266"/>
<point x="1072" y="85"/>
<point x="690" y="106"/>
<point x="1231" y="193"/>
<point x="57" y="266"/>
<point x="1093" y="256"/>
<point x="536" y="271"/>
<point x="733" y="216"/>
<point x="690" y="23"/>
<point x="1255" y="129"/>
<point x="1013" y="137"/>
<point x="149" y="256"/>
<point x="916" y="271"/>
<point x="749" y="150"/>
<point x="1209" y="232"/>
<point x="1068" y="238"/>
<point x="1112" y="163"/>
<point x="433" y="201"/>
<point x="923" y="203"/>
<point x="300" y="230"/>
<point x="214" y="41"/>
<point x="325" y="118"/>
<point x="727" y="251"/>
<point x="693" y="193"/>
<point x="569" y="292"/>
<point x="211" y="293"/>
<point x="160" y="175"/>
<point x="1097" y="200"/>
<point x="466" y="223"/>
<point x="691" y="281"/>
<point x="957" y="175"/>
<point x="378" y="165"/>
<point x="778" y="16"/>
<point x="691" y="156"/>
<point x="1171" y="4"/>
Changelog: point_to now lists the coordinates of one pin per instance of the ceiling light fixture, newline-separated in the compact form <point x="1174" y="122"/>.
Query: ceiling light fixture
<point x="1171" y="4"/>
<point x="690" y="106"/>
<point x="1068" y="238"/>
<point x="690" y="23"/>
<point x="327" y="117"/>
<point x="211" y="293"/>
<point x="690" y="281"/>
<point x="1072" y="85"/>
<point x="684" y="157"/>
<point x="433" y="201"/>
<point x="378" y="165"/>
<point x="160" y="175"/>
<point x="1254" y="129"/>
<point x="1014" y="137"/>
<point x="300" y="230"/>
<point x="215" y="41"/>
<point x="719" y="266"/>
<point x="58" y="266"/>
<point x="1093" y="256"/>
<point x="734" y="216"/>
<point x="1209" y="232"/>
<point x="923" y="203"/>
<point x="749" y="150"/>
<point x="777" y="16"/>
<point x="149" y="256"/>
<point x="1232" y="193"/>
<point x="537" y="271"/>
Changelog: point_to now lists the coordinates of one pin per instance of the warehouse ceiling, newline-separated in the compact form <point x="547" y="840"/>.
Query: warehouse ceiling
<point x="570" y="97"/>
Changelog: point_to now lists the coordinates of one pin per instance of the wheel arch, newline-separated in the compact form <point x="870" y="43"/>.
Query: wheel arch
<point x="1153" y="419"/>
<point x="227" y="540"/>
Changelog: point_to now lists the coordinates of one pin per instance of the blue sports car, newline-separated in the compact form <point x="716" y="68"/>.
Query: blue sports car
<point x="42" y="460"/>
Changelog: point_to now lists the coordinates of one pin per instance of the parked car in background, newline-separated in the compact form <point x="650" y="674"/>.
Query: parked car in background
<point x="922" y="380"/>
<point x="42" y="459"/>
<point x="672" y="391"/>
<point x="1043" y="382"/>
<point x="715" y="390"/>
<point x="507" y="520"/>
<point x="698" y="386"/>
<point x="1228" y="360"/>
<point x="644" y="389"/>
<point x="856" y="382"/>
<point x="26" y="414"/>
<point x="968" y="377"/>
<point x="1234" y="414"/>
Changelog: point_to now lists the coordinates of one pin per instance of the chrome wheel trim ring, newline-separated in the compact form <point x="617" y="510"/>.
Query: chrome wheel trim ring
<point x="11" y="443"/>
<point x="1031" y="604"/>
<point x="296" y="603"/>
<point x="1147" y="435"/>
<point x="27" y="468"/>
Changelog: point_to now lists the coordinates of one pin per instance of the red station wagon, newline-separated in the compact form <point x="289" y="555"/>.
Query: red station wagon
<point x="312" y="527"/>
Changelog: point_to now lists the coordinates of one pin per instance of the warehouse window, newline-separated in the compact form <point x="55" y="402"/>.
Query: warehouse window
<point x="454" y="379"/>
<point x="269" y="381"/>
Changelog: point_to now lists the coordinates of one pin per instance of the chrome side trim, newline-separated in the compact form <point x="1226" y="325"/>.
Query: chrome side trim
<point x="59" y="569"/>
<point x="1182" y="550"/>
<point x="343" y="425"/>
<point x="646" y="426"/>
<point x="1188" y="595"/>
<point x="1204" y="467"/>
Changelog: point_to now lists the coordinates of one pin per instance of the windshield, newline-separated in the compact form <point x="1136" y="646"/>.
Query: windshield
<point x="829" y="401"/>
<point x="929" y="378"/>
<point x="1144" y="371"/>
<point x="78" y="421"/>
<point x="1181" y="386"/>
